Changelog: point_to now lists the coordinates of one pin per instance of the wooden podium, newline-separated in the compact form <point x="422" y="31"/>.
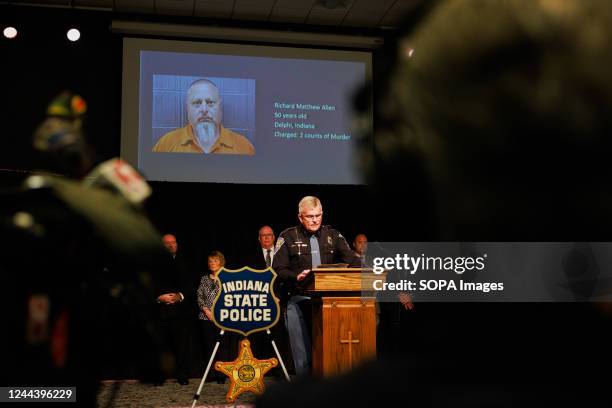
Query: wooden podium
<point x="343" y="319"/>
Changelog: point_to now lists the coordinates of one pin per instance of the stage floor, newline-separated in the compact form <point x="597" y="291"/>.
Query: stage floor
<point x="131" y="393"/>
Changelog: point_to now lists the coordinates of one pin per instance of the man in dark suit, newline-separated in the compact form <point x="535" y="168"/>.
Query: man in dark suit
<point x="177" y="307"/>
<point x="261" y="258"/>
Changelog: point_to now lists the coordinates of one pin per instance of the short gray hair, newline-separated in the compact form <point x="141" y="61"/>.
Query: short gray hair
<point x="308" y="202"/>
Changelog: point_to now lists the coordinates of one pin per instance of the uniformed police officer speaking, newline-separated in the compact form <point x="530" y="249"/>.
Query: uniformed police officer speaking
<point x="298" y="250"/>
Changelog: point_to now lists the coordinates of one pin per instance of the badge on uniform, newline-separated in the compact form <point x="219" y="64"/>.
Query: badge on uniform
<point x="279" y="243"/>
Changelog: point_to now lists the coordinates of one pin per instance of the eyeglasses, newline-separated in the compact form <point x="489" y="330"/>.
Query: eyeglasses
<point x="311" y="217"/>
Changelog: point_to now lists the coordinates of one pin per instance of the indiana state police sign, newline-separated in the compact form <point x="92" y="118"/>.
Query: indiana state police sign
<point x="246" y="301"/>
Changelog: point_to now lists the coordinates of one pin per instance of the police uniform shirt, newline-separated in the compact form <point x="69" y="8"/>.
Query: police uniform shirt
<point x="293" y="250"/>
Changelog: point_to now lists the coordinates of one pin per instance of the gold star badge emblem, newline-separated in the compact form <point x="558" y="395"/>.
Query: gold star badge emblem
<point x="246" y="373"/>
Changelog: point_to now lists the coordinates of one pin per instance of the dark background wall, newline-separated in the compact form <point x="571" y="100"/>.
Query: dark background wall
<point x="41" y="62"/>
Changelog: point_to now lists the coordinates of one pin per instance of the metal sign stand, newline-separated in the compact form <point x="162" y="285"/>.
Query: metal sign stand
<point x="280" y="359"/>
<point x="196" y="396"/>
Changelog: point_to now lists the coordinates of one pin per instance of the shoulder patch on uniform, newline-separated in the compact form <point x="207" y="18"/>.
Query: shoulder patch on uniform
<point x="286" y="231"/>
<point x="279" y="243"/>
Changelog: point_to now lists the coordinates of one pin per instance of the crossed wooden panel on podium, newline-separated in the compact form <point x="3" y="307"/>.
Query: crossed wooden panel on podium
<point x="343" y="319"/>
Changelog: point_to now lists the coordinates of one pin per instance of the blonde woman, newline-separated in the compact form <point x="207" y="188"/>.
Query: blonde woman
<point x="207" y="291"/>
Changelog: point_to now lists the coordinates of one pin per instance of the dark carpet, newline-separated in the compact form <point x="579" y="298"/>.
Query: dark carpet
<point x="131" y="393"/>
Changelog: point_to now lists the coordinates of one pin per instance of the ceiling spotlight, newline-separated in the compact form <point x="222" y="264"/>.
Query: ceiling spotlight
<point x="73" y="34"/>
<point x="10" y="32"/>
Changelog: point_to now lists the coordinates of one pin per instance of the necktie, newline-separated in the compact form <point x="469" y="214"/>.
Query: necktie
<point x="268" y="257"/>
<point x="314" y="251"/>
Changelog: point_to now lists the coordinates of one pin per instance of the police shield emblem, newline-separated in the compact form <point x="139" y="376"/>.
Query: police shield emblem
<point x="246" y="302"/>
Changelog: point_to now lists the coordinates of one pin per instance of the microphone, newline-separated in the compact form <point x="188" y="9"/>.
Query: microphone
<point x="119" y="177"/>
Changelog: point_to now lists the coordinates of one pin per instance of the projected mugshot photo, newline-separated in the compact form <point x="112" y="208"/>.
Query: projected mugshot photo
<point x="203" y="115"/>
